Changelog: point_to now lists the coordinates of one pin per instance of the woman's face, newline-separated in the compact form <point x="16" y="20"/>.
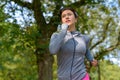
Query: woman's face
<point x="68" y="17"/>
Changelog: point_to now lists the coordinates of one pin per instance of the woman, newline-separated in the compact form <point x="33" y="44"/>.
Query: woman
<point x="71" y="47"/>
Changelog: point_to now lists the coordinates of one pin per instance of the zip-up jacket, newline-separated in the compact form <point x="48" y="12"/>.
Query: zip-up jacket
<point x="71" y="48"/>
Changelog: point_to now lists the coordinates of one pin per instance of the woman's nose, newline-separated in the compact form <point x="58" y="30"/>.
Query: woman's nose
<point x="67" y="16"/>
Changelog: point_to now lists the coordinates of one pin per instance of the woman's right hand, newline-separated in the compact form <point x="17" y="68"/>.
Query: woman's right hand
<point x="94" y="63"/>
<point x="62" y="27"/>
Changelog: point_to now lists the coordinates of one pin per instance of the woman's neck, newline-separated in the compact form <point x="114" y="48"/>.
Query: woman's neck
<point x="72" y="28"/>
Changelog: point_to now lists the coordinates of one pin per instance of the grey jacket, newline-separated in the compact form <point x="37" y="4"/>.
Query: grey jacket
<point x="71" y="49"/>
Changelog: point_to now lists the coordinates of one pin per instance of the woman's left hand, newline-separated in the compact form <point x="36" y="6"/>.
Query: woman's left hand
<point x="94" y="63"/>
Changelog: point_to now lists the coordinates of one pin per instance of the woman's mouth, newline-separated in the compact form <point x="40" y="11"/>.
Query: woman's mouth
<point x="67" y="21"/>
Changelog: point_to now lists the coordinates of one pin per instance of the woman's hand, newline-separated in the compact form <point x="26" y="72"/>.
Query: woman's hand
<point x="64" y="26"/>
<point x="94" y="63"/>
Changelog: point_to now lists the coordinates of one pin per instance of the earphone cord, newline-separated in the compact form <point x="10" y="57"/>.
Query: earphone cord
<point x="72" y="58"/>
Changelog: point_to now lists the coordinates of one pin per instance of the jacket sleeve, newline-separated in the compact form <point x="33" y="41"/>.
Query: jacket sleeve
<point x="88" y="54"/>
<point x="56" y="41"/>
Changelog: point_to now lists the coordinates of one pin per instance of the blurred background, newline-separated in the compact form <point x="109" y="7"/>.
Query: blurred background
<point x="27" y="25"/>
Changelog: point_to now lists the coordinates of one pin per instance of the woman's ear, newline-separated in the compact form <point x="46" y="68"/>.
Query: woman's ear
<point x="76" y="19"/>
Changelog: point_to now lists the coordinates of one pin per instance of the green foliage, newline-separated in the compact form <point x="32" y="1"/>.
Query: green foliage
<point x="16" y="53"/>
<point x="2" y="16"/>
<point x="108" y="71"/>
<point x="17" y="44"/>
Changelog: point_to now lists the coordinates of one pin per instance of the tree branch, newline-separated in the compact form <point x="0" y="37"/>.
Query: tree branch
<point x="55" y="20"/>
<point x="111" y="48"/>
<point x="103" y="35"/>
<point x="80" y="3"/>
<point x="77" y="4"/>
<point x="106" y="51"/>
<point x="38" y="14"/>
<point x="23" y="4"/>
<point x="56" y="13"/>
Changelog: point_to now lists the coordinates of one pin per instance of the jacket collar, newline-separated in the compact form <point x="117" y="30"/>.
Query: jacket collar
<point x="75" y="33"/>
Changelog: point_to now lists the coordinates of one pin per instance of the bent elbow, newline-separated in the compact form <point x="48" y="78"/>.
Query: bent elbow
<point x="52" y="50"/>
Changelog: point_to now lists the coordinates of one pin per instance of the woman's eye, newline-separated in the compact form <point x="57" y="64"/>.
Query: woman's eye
<point x="63" y="16"/>
<point x="69" y="14"/>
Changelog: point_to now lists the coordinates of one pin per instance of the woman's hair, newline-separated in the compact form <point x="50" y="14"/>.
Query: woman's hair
<point x="68" y="8"/>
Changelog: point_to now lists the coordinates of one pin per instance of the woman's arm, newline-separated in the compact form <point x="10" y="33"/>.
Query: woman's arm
<point x="88" y="54"/>
<point x="57" y="38"/>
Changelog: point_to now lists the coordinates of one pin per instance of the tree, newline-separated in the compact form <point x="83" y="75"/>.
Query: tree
<point x="14" y="51"/>
<point x="108" y="71"/>
<point x="15" y="47"/>
<point x="46" y="25"/>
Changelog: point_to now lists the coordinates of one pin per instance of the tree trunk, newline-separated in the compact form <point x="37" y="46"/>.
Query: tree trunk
<point x="99" y="74"/>
<point x="44" y="62"/>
